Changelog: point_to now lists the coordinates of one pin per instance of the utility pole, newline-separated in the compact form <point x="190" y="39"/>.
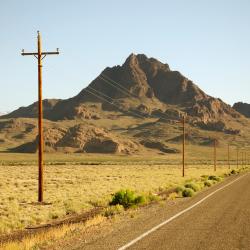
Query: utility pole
<point x="245" y="159"/>
<point x="215" y="154"/>
<point x="183" y="146"/>
<point x="242" y="162"/>
<point x="237" y="159"/>
<point x="40" y="56"/>
<point x="228" y="157"/>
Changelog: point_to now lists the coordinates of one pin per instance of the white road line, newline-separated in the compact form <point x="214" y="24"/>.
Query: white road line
<point x="176" y="216"/>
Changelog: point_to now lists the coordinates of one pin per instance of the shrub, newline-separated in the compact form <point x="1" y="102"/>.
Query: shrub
<point x="204" y="177"/>
<point x="179" y="189"/>
<point x="193" y="186"/>
<point x="153" y="197"/>
<point x="127" y="198"/>
<point x="233" y="172"/>
<point x="113" y="210"/>
<point x="188" y="192"/>
<point x="214" y="178"/>
<point x="139" y="200"/>
<point x="208" y="183"/>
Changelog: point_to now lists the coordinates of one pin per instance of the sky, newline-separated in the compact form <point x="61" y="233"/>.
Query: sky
<point x="207" y="41"/>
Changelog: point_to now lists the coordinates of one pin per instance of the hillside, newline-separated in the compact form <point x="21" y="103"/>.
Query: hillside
<point x="243" y="108"/>
<point x="134" y="105"/>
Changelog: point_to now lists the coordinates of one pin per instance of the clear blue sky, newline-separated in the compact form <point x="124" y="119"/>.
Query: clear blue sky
<point x="208" y="41"/>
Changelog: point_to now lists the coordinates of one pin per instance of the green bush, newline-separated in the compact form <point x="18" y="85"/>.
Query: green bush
<point x="188" y="192"/>
<point x="233" y="172"/>
<point x="208" y="183"/>
<point x="152" y="197"/>
<point x="193" y="186"/>
<point x="204" y="177"/>
<point x="127" y="198"/>
<point x="214" y="178"/>
<point x="179" y="189"/>
<point x="139" y="200"/>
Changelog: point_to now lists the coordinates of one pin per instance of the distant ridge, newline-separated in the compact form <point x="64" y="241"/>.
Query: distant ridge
<point x="3" y="113"/>
<point x="243" y="108"/>
<point x="31" y="110"/>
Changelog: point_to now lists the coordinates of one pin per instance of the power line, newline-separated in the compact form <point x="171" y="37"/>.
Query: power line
<point x="114" y="100"/>
<point x="126" y="91"/>
<point x="101" y="93"/>
<point x="102" y="98"/>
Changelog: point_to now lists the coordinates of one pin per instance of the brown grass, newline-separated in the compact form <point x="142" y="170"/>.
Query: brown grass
<point x="74" y="189"/>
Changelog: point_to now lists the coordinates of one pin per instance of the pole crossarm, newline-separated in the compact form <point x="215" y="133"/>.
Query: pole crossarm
<point x="36" y="54"/>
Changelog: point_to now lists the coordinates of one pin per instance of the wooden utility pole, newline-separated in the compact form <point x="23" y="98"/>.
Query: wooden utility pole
<point x="215" y="154"/>
<point x="183" y="146"/>
<point x="245" y="159"/>
<point x="228" y="156"/>
<point x="237" y="159"/>
<point x="40" y="56"/>
<point x="242" y="160"/>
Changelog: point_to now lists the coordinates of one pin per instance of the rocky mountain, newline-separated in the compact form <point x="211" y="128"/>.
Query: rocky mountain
<point x="139" y="80"/>
<point x="132" y="104"/>
<point x="147" y="78"/>
<point x="243" y="108"/>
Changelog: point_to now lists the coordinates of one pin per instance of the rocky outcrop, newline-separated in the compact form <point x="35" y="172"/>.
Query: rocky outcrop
<point x="211" y="109"/>
<point x="172" y="115"/>
<point x="141" y="110"/>
<point x="102" y="145"/>
<point x="243" y="108"/>
<point x="80" y="138"/>
<point x="83" y="112"/>
<point x="219" y="126"/>
<point x="159" y="146"/>
<point x="16" y="125"/>
<point x="144" y="109"/>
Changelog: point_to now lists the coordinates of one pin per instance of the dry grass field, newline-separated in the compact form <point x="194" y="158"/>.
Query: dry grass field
<point x="76" y="183"/>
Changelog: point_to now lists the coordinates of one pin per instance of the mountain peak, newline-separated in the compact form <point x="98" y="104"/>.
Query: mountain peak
<point x="139" y="79"/>
<point x="145" y="76"/>
<point x="145" y="62"/>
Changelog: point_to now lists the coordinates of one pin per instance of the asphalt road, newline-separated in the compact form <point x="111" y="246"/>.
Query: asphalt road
<point x="221" y="221"/>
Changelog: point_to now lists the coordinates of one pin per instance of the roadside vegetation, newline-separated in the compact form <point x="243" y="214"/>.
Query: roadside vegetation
<point x="119" y="202"/>
<point x="75" y="189"/>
